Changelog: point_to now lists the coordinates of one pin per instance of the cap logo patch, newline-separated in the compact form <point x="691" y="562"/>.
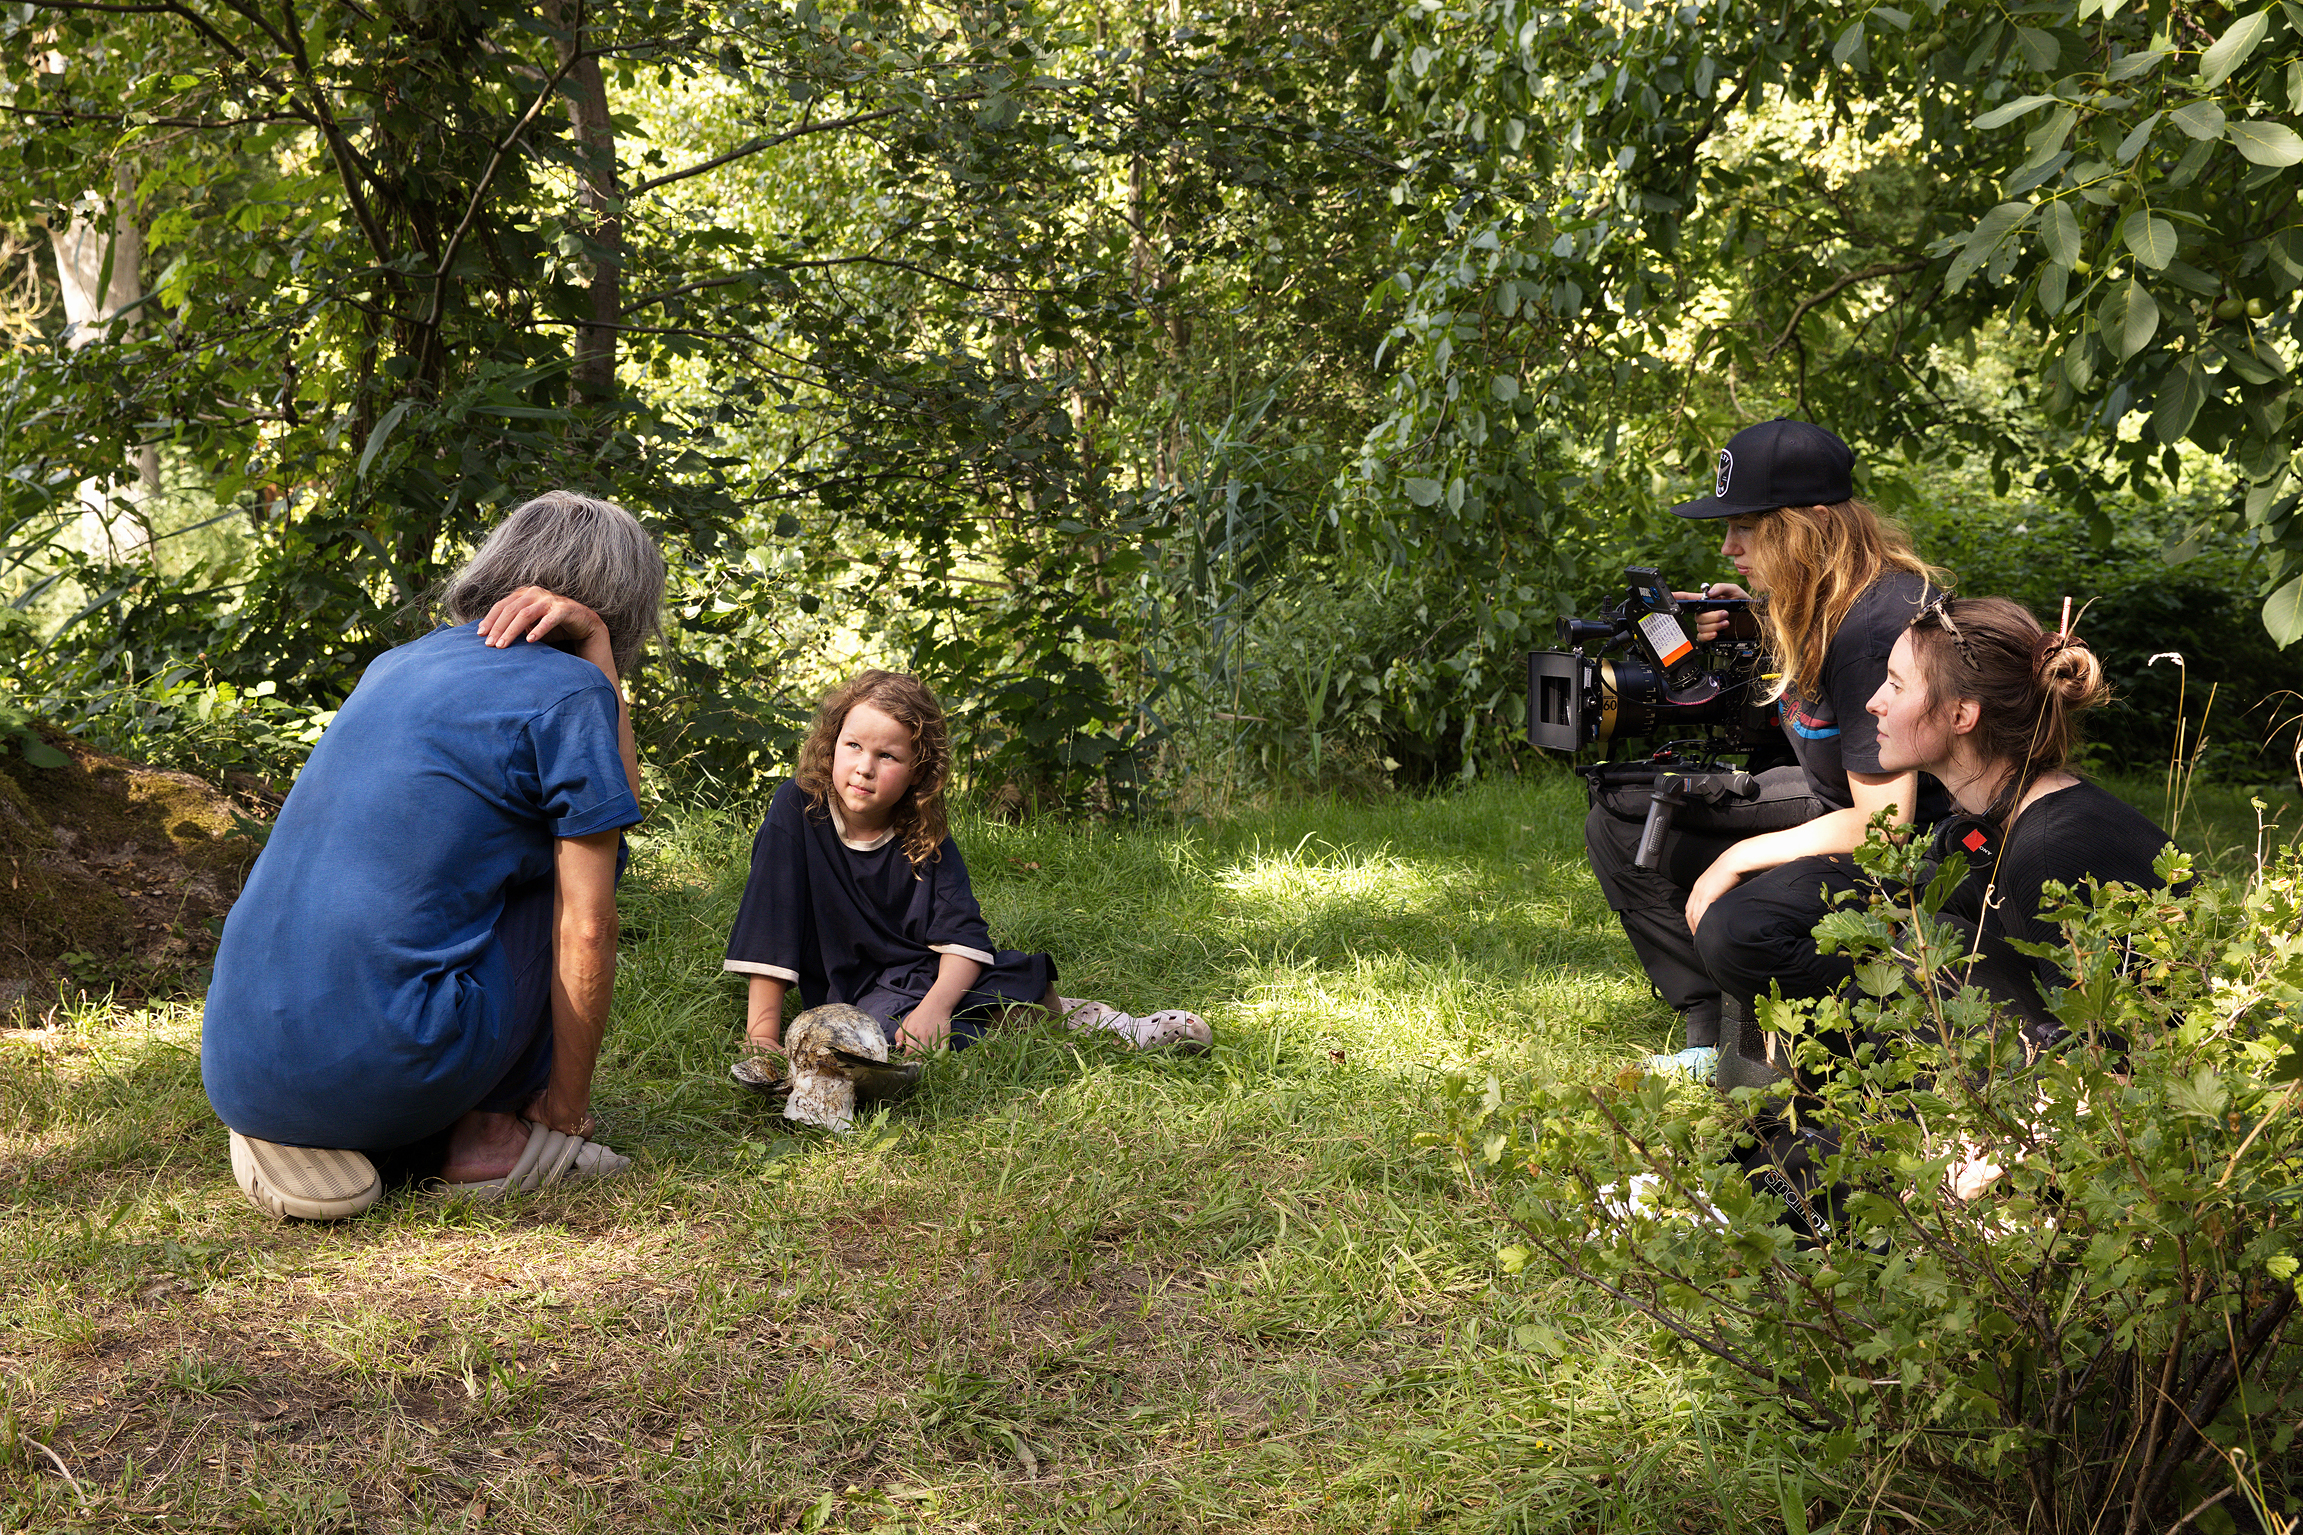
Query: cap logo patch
<point x="1726" y="471"/>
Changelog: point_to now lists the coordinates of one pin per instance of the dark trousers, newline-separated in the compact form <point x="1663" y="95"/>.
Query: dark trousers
<point x="1013" y="979"/>
<point x="1652" y="903"/>
<point x="1762" y="934"/>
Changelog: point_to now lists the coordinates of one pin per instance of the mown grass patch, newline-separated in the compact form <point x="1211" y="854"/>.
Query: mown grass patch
<point x="1066" y="1288"/>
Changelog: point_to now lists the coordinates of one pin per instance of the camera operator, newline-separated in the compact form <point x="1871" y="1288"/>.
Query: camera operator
<point x="1838" y="585"/>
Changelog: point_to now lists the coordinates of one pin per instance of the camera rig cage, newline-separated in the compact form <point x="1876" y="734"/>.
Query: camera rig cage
<point x="1639" y="673"/>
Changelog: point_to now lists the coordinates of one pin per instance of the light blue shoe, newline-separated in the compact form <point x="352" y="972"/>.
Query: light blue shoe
<point x="1697" y="1063"/>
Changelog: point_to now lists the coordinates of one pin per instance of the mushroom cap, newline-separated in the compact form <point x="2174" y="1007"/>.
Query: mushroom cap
<point x="821" y="1044"/>
<point x="820" y="1031"/>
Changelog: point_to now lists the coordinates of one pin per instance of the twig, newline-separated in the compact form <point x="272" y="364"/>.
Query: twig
<point x="62" y="1469"/>
<point x="2177" y="1527"/>
<point x="758" y="144"/>
<point x="487" y="179"/>
<point x="1883" y="269"/>
<point x="2276" y="1110"/>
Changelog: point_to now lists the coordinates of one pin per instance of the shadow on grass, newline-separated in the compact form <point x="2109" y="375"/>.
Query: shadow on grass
<point x="1067" y="1287"/>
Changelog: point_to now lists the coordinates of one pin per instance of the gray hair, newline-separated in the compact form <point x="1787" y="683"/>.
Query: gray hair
<point x="577" y="546"/>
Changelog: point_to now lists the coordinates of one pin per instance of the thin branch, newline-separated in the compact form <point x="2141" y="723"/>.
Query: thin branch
<point x="824" y="261"/>
<point x="1893" y="269"/>
<point x="488" y="177"/>
<point x="121" y="118"/>
<point x="689" y="287"/>
<point x="756" y="145"/>
<point x="904" y="266"/>
<point x="199" y="23"/>
<point x="77" y="1490"/>
<point x="348" y="168"/>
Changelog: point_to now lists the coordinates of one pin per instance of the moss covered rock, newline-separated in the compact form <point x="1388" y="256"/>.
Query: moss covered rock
<point x="117" y="876"/>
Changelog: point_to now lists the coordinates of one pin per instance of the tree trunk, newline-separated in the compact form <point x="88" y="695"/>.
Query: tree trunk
<point x="99" y="268"/>
<point x="595" y="375"/>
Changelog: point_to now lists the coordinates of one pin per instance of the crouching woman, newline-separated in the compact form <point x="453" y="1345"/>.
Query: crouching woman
<point x="428" y="941"/>
<point x="1982" y="696"/>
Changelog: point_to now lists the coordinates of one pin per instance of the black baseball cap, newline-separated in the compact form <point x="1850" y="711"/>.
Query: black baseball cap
<point x="1778" y="463"/>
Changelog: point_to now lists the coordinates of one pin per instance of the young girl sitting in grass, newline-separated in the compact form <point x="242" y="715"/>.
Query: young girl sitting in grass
<point x="858" y="894"/>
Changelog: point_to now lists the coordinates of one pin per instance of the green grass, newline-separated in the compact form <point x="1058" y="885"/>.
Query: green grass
<point x="1066" y="1288"/>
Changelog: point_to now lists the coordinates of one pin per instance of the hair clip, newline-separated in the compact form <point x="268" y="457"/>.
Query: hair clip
<point x="1938" y="612"/>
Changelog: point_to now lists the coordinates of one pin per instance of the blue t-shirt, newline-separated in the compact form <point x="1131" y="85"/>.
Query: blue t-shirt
<point x="360" y="986"/>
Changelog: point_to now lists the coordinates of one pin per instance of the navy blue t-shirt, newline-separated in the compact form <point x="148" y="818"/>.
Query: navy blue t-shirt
<point x="360" y="984"/>
<point x="841" y="920"/>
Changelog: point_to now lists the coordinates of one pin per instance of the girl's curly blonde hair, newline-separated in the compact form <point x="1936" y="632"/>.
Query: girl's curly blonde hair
<point x="919" y="822"/>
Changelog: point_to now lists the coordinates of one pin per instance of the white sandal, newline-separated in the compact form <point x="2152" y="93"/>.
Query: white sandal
<point x="313" y="1183"/>
<point x="1083" y="1015"/>
<point x="1174" y="1029"/>
<point x="550" y="1158"/>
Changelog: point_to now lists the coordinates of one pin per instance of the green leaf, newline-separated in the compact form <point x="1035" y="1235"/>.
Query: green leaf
<point x="2264" y="143"/>
<point x="1505" y="388"/>
<point x="2001" y="116"/>
<point x="2202" y="1097"/>
<point x="1990" y="231"/>
<point x="2041" y="47"/>
<point x="2181" y="394"/>
<point x="2200" y="119"/>
<point x="2231" y="49"/>
<point x="1423" y="492"/>
<point x="2132" y="65"/>
<point x="1849" y="51"/>
<point x="378" y="437"/>
<point x="2132" y="145"/>
<point x="38" y="752"/>
<point x="2129" y="317"/>
<point x="2283" y="613"/>
<point x="2151" y="238"/>
<point x="2059" y="226"/>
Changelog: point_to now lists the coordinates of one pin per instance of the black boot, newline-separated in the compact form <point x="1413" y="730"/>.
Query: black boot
<point x="1743" y="1058"/>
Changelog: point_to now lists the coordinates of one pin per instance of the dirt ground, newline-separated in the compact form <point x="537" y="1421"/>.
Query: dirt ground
<point x="117" y="877"/>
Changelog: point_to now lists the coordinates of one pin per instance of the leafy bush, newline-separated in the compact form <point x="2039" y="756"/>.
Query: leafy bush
<point x="2101" y="1339"/>
<point x="199" y="725"/>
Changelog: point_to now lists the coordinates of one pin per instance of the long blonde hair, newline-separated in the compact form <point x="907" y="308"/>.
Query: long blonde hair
<point x="919" y="819"/>
<point x="1812" y="562"/>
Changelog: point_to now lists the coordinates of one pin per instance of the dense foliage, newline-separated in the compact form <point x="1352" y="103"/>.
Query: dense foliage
<point x="1251" y="386"/>
<point x="2099" y="1336"/>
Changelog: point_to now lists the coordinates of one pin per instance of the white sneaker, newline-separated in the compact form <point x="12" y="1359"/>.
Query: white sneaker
<point x="1697" y="1063"/>
<point x="1172" y="1029"/>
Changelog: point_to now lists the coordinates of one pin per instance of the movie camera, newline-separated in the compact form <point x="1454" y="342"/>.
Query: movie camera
<point x="1640" y="673"/>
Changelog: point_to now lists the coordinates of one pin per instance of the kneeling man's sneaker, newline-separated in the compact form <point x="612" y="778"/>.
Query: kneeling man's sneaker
<point x="312" y="1183"/>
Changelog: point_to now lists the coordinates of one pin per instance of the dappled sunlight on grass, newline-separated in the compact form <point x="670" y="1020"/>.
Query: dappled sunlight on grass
<point x="1311" y="877"/>
<point x="1067" y="1286"/>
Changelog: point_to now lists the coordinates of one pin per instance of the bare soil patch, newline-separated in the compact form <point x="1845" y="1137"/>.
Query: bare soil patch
<point x="117" y="876"/>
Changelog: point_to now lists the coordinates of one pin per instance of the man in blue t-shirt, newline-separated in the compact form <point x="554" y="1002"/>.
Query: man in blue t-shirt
<point x="428" y="942"/>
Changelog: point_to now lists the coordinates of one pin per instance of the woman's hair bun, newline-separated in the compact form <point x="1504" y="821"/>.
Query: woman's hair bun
<point x="2070" y="672"/>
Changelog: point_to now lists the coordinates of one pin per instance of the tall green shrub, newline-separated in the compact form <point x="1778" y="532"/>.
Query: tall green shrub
<point x="2103" y="1339"/>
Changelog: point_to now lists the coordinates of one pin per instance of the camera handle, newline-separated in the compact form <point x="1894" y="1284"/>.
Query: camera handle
<point x="1673" y="790"/>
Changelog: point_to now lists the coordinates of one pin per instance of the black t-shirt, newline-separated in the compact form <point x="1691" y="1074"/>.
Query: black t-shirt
<point x="1831" y="732"/>
<point x="838" y="919"/>
<point x="2071" y="835"/>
